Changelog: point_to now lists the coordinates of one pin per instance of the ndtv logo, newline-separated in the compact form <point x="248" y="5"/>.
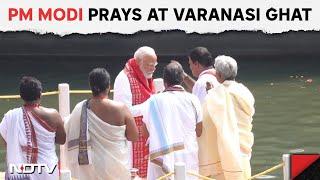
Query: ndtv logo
<point x="30" y="168"/>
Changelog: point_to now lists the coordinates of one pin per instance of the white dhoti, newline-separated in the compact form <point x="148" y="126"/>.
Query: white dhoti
<point x="107" y="148"/>
<point x="28" y="142"/>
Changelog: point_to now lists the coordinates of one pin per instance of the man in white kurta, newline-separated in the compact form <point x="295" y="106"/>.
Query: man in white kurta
<point x="200" y="63"/>
<point x="132" y="86"/>
<point x="228" y="110"/>
<point x="172" y="119"/>
<point x="199" y="88"/>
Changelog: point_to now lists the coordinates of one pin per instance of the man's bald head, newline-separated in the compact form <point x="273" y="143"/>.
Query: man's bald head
<point x="147" y="60"/>
<point x="173" y="74"/>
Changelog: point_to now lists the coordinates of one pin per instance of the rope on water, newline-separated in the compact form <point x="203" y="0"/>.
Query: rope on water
<point x="50" y="93"/>
<point x="267" y="171"/>
<point x="199" y="176"/>
<point x="18" y="96"/>
<point x="165" y="176"/>
<point x="207" y="178"/>
<point x="10" y="97"/>
<point x="80" y="92"/>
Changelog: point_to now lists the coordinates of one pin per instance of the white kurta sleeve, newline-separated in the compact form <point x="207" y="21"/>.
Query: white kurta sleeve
<point x="4" y="127"/>
<point x="144" y="110"/>
<point x="199" y="90"/>
<point x="198" y="109"/>
<point x="137" y="110"/>
<point x="122" y="91"/>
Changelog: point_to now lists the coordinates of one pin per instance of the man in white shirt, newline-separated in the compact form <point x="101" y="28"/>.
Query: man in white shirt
<point x="200" y="63"/>
<point x="133" y="86"/>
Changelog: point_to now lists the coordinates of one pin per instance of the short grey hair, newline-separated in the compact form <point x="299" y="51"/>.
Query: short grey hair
<point x="227" y="66"/>
<point x="144" y="51"/>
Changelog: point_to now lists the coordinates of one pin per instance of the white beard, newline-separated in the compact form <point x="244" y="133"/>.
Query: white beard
<point x="148" y="75"/>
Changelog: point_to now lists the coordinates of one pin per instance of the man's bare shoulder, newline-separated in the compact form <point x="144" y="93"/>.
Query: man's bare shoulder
<point x="49" y="113"/>
<point x="117" y="106"/>
<point x="118" y="110"/>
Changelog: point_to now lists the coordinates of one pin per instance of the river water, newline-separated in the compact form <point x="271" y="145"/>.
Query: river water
<point x="287" y="106"/>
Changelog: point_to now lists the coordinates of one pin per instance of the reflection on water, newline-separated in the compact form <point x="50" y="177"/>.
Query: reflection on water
<point x="287" y="104"/>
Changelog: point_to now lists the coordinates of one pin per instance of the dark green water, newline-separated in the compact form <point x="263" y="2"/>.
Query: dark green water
<point x="287" y="108"/>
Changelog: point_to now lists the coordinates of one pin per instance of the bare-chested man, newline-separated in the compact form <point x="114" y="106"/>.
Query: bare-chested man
<point x="97" y="134"/>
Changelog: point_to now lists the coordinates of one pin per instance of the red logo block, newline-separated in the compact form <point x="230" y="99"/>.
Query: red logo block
<point x="305" y="166"/>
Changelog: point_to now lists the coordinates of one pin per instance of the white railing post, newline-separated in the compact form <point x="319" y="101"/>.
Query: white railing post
<point x="65" y="175"/>
<point x="286" y="167"/>
<point x="64" y="111"/>
<point x="64" y="100"/>
<point x="179" y="171"/>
